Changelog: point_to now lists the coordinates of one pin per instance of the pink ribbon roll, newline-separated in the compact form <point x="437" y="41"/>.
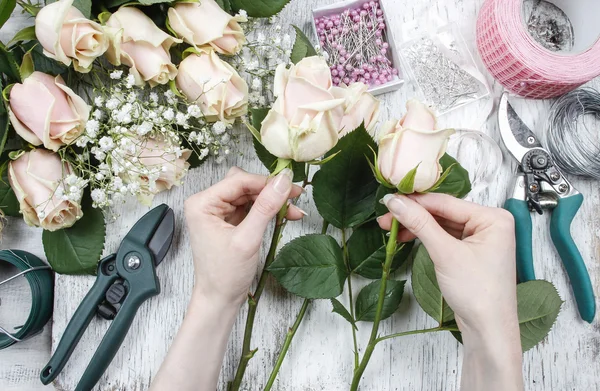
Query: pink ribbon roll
<point x="522" y="65"/>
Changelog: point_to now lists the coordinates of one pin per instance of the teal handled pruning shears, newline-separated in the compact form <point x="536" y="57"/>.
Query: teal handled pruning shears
<point x="540" y="185"/>
<point x="125" y="280"/>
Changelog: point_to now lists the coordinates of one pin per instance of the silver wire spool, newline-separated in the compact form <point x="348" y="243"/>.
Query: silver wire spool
<point x="573" y="134"/>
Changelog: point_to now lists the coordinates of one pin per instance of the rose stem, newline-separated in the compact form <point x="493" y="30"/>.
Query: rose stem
<point x="390" y="251"/>
<point x="291" y="332"/>
<point x="350" y="297"/>
<point x="253" y="300"/>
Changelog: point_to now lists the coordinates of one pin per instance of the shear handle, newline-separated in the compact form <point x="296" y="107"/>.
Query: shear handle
<point x="115" y="335"/>
<point x="80" y="320"/>
<point x="560" y="231"/>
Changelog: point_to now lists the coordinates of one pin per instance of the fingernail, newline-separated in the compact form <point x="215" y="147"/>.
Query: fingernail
<point x="301" y="210"/>
<point x="394" y="203"/>
<point x="378" y="218"/>
<point x="283" y="181"/>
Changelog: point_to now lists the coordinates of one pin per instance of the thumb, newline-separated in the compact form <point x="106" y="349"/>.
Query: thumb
<point x="270" y="200"/>
<point x="418" y="221"/>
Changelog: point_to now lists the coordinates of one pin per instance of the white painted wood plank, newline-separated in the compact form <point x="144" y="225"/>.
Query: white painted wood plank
<point x="320" y="357"/>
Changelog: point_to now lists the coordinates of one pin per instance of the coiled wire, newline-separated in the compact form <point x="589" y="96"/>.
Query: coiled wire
<point x="573" y="142"/>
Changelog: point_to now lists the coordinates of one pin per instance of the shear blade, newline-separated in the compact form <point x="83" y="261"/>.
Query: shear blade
<point x="517" y="136"/>
<point x="163" y="237"/>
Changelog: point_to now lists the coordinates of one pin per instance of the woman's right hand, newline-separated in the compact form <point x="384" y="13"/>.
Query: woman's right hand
<point x="473" y="250"/>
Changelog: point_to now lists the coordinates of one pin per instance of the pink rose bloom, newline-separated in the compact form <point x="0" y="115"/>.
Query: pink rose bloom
<point x="34" y="177"/>
<point x="214" y="85"/>
<point x="204" y="23"/>
<point x="413" y="141"/>
<point x="67" y="36"/>
<point x="138" y="43"/>
<point x="43" y="110"/>
<point x="306" y="118"/>
<point x="359" y="106"/>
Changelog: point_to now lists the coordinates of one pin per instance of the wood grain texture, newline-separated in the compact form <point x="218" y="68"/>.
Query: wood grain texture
<point x="320" y="357"/>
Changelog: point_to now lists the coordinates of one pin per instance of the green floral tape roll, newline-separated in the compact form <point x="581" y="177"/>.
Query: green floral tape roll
<point x="41" y="281"/>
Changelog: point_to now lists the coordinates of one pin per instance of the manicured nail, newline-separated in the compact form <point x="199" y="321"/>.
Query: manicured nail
<point x="378" y="218"/>
<point x="394" y="203"/>
<point x="283" y="181"/>
<point x="301" y="210"/>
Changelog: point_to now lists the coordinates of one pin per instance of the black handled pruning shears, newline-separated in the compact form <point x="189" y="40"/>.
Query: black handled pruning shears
<point x="541" y="185"/>
<point x="125" y="280"/>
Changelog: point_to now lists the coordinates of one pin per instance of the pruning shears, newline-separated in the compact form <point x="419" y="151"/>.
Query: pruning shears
<point x="125" y="280"/>
<point x="540" y="185"/>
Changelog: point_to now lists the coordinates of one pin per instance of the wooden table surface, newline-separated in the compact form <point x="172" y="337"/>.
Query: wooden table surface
<point x="320" y="357"/>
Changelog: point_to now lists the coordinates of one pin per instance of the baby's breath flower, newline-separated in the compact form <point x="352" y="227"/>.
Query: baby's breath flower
<point x="219" y="127"/>
<point x="106" y="143"/>
<point x="194" y="111"/>
<point x="168" y="114"/>
<point x="98" y="101"/>
<point x="115" y="75"/>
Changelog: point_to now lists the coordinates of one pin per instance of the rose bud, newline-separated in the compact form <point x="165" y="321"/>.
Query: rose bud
<point x="66" y="35"/>
<point x="305" y="119"/>
<point x="204" y="23"/>
<point x="214" y="85"/>
<point x="138" y="43"/>
<point x="43" y="110"/>
<point x="35" y="177"/>
<point x="359" y="106"/>
<point x="411" y="142"/>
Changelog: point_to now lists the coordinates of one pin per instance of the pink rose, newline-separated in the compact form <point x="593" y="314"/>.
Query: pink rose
<point x="35" y="177"/>
<point x="411" y="142"/>
<point x="138" y="43"/>
<point x="204" y="23"/>
<point x="173" y="165"/>
<point x="43" y="110"/>
<point x="214" y="85"/>
<point x="66" y="35"/>
<point x="359" y="106"/>
<point x="306" y="118"/>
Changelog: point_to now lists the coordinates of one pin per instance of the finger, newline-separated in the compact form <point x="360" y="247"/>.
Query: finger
<point x="266" y="206"/>
<point x="239" y="183"/>
<point x="295" y="213"/>
<point x="405" y="235"/>
<point x="385" y="221"/>
<point x="418" y="221"/>
<point x="448" y="207"/>
<point x="233" y="171"/>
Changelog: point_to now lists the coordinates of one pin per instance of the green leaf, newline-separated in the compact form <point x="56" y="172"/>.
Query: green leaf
<point x="302" y="47"/>
<point x="8" y="65"/>
<point x="426" y="289"/>
<point x="311" y="267"/>
<point x="366" y="250"/>
<point x="366" y="302"/>
<point x="269" y="160"/>
<point x="9" y="204"/>
<point x="382" y="191"/>
<point x="538" y="305"/>
<point x="85" y="6"/>
<point x="457" y="182"/>
<point x="225" y="5"/>
<point x="77" y="250"/>
<point x="27" y="34"/>
<point x="26" y="68"/>
<point x="344" y="189"/>
<point x="259" y="8"/>
<point x="4" y="126"/>
<point x="407" y="184"/>
<point x="6" y="9"/>
<point x="339" y="308"/>
<point x="41" y="62"/>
